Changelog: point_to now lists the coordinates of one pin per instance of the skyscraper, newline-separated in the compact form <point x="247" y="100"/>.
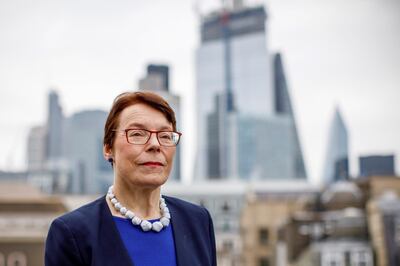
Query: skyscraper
<point x="284" y="109"/>
<point x="89" y="172"/>
<point x="157" y="80"/>
<point x="74" y="160"/>
<point x="241" y="99"/>
<point x="36" y="149"/>
<point x="337" y="152"/>
<point x="55" y="121"/>
<point x="162" y="71"/>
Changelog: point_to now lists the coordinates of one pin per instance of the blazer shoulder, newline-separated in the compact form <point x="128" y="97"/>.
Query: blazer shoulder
<point x="88" y="212"/>
<point x="186" y="207"/>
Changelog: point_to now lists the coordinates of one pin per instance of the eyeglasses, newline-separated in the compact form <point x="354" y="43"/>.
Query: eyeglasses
<point x="142" y="136"/>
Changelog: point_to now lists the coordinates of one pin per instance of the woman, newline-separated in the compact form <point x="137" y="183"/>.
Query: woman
<point x="133" y="224"/>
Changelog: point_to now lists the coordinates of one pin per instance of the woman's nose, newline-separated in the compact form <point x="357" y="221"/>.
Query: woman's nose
<point x="153" y="141"/>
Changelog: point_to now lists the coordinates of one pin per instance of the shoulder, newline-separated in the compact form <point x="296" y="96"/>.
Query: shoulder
<point x="183" y="204"/>
<point x="72" y="235"/>
<point x="84" y="215"/>
<point x="196" y="231"/>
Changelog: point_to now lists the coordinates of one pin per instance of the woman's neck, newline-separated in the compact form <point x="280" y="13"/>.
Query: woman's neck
<point x="144" y="202"/>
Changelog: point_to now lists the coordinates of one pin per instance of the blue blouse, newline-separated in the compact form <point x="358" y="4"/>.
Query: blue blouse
<point x="147" y="248"/>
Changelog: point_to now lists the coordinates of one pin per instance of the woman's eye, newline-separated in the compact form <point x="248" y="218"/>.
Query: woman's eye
<point x="136" y="134"/>
<point x="165" y="136"/>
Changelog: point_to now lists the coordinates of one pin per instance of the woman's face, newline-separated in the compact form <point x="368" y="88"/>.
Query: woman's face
<point x="147" y="165"/>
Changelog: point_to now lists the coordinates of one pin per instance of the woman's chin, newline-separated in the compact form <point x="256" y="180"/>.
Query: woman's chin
<point x="151" y="181"/>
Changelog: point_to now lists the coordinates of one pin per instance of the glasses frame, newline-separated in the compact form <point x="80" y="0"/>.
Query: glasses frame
<point x="151" y="133"/>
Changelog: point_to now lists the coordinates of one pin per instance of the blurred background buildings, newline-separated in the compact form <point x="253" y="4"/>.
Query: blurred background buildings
<point x="249" y="168"/>
<point x="245" y="121"/>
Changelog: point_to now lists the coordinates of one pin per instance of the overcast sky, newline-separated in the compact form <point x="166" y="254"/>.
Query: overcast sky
<point x="342" y="53"/>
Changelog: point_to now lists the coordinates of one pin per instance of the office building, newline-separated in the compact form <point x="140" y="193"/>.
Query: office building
<point x="284" y="109"/>
<point x="55" y="119"/>
<point x="45" y="155"/>
<point x="384" y="218"/>
<point x="241" y="94"/>
<point x="224" y="199"/>
<point x="25" y="217"/>
<point x="269" y="205"/>
<point x="377" y="165"/>
<point x="66" y="155"/>
<point x="89" y="172"/>
<point x="36" y="149"/>
<point x="337" y="152"/>
<point x="157" y="81"/>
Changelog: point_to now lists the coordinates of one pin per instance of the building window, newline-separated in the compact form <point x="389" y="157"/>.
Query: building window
<point x="227" y="245"/>
<point x="263" y="261"/>
<point x="225" y="207"/>
<point x="226" y="226"/>
<point x="332" y="259"/>
<point x="17" y="259"/>
<point x="361" y="258"/>
<point x="263" y="236"/>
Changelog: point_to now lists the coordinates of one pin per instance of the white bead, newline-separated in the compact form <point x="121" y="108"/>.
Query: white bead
<point x="146" y="225"/>
<point x="164" y="221"/>
<point x="123" y="210"/>
<point x="129" y="215"/>
<point x="157" y="226"/>
<point x="136" y="220"/>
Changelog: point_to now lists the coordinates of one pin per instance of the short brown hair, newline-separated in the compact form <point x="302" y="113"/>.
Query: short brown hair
<point x="127" y="99"/>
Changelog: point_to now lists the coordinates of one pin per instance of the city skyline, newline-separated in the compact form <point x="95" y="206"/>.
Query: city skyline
<point x="350" y="60"/>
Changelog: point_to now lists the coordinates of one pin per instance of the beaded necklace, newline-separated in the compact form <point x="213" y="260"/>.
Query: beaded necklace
<point x="146" y="225"/>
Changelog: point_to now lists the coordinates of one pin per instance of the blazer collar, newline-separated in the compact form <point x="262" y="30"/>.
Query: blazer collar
<point x="181" y="233"/>
<point x="110" y="241"/>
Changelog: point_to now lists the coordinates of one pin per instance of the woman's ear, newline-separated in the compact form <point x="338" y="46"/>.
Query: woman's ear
<point x="107" y="152"/>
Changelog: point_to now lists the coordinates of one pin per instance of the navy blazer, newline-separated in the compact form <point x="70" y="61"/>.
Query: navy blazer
<point x="89" y="236"/>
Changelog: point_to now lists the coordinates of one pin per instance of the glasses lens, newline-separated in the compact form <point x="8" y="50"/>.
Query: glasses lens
<point x="137" y="136"/>
<point x="168" y="138"/>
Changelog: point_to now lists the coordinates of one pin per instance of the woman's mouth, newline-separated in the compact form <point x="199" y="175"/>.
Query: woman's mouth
<point x="152" y="164"/>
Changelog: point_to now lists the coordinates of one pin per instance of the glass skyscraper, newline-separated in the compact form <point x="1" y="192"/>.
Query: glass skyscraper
<point x="337" y="152"/>
<point x="157" y="81"/>
<point x="245" y="123"/>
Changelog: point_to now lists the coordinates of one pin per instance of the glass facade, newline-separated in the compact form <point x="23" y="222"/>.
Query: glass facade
<point x="337" y="154"/>
<point x="233" y="62"/>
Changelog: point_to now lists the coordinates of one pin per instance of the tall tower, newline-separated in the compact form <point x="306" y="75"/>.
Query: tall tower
<point x="89" y="172"/>
<point x="337" y="152"/>
<point x="157" y="80"/>
<point x="245" y="122"/>
<point x="54" y="138"/>
<point x="232" y="66"/>
<point x="283" y="108"/>
<point x="36" y="149"/>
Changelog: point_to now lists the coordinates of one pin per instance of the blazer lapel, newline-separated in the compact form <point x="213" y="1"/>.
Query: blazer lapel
<point x="181" y="235"/>
<point x="112" y="248"/>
